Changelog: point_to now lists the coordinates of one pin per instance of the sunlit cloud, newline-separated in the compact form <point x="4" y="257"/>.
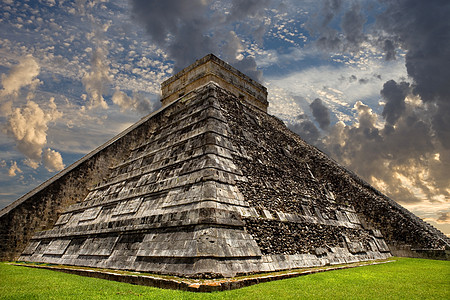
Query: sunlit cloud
<point x="14" y="169"/>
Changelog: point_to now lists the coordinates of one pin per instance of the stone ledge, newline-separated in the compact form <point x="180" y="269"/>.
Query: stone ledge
<point x="210" y="216"/>
<point x="192" y="285"/>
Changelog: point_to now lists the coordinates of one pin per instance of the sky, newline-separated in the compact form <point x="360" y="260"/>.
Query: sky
<point x="365" y="81"/>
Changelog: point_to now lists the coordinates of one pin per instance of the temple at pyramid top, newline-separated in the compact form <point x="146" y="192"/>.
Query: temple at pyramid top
<point x="210" y="68"/>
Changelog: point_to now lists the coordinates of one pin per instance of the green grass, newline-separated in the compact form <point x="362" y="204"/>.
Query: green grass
<point x="404" y="279"/>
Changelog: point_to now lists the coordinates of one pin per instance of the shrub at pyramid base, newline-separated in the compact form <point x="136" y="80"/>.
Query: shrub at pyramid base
<point x="217" y="187"/>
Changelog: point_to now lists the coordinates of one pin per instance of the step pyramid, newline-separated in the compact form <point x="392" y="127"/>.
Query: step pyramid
<point x="216" y="187"/>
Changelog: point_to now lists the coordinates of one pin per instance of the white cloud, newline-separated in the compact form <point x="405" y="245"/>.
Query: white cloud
<point x="95" y="81"/>
<point x="21" y="75"/>
<point x="52" y="160"/>
<point x="14" y="169"/>
<point x="32" y="163"/>
<point x="28" y="126"/>
<point x="122" y="99"/>
<point x="282" y="104"/>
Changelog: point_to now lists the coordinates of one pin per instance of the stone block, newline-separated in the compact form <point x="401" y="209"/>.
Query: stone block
<point x="90" y="213"/>
<point x="57" y="247"/>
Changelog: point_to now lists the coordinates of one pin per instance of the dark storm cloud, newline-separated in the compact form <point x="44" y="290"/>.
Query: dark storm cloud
<point x="389" y="50"/>
<point x="422" y="28"/>
<point x="395" y="95"/>
<point x="243" y="8"/>
<point x="382" y="154"/>
<point x="351" y="25"/>
<point x="329" y="10"/>
<point x="363" y="80"/>
<point x="414" y="145"/>
<point x="188" y="30"/>
<point x="305" y="129"/>
<point x="177" y="26"/>
<point x="405" y="149"/>
<point x="321" y="113"/>
<point x="319" y="25"/>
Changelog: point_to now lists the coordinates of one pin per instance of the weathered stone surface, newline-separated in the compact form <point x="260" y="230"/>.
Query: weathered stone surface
<point x="212" y="69"/>
<point x="40" y="208"/>
<point x="210" y="186"/>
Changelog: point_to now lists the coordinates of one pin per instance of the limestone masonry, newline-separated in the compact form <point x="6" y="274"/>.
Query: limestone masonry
<point x="210" y="186"/>
<point x="211" y="69"/>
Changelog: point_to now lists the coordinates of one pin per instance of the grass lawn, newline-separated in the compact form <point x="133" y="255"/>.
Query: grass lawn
<point x="404" y="279"/>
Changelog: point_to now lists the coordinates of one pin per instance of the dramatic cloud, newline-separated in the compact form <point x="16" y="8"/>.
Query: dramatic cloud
<point x="418" y="27"/>
<point x="380" y="156"/>
<point x="404" y="161"/>
<point x="389" y="50"/>
<point x="405" y="152"/>
<point x="352" y="26"/>
<point x="178" y="26"/>
<point x="395" y="95"/>
<point x="241" y="9"/>
<point x="188" y="30"/>
<point x="320" y="113"/>
<point x="423" y="30"/>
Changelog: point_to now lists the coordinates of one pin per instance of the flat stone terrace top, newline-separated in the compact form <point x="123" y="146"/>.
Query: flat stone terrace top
<point x="211" y="68"/>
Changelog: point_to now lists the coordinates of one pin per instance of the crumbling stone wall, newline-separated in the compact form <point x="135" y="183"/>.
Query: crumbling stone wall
<point x="275" y="237"/>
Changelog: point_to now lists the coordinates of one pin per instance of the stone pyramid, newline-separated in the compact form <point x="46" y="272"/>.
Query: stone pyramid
<point x="211" y="186"/>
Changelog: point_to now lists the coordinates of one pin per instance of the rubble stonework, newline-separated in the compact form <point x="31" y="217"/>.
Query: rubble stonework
<point x="210" y="186"/>
<point x="288" y="176"/>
